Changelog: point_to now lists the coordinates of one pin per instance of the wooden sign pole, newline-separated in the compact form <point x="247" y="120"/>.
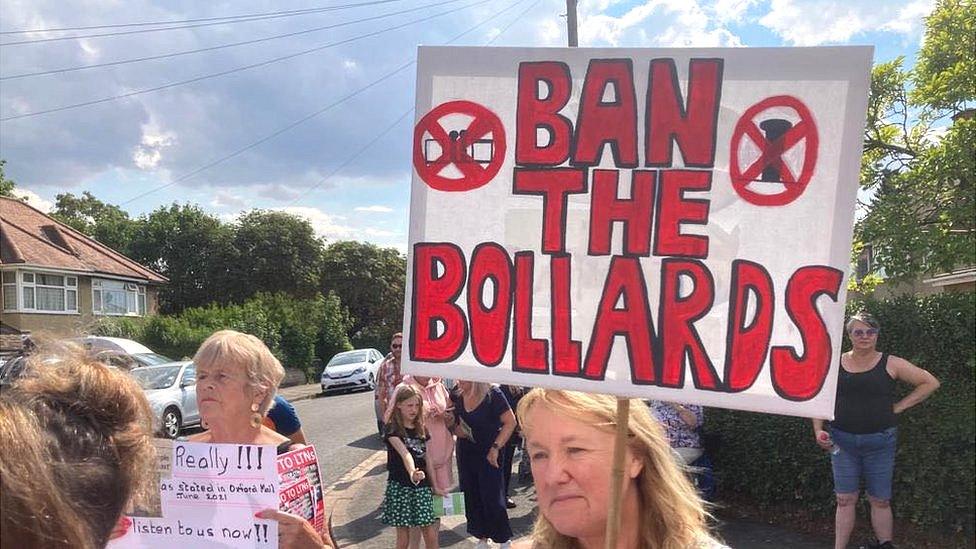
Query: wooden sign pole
<point x="617" y="474"/>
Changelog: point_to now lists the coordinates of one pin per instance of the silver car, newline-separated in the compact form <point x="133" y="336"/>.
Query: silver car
<point x="351" y="370"/>
<point x="172" y="393"/>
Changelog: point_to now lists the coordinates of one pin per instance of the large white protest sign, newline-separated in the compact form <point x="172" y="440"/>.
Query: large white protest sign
<point x="209" y="500"/>
<point x="671" y="224"/>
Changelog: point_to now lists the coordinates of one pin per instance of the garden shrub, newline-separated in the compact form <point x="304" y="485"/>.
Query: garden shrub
<point x="772" y="461"/>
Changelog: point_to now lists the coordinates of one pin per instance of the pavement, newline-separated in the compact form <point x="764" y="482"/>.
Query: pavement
<point x="355" y="497"/>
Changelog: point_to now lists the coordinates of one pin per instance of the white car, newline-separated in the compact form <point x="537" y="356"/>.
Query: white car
<point x="171" y="390"/>
<point x="351" y="370"/>
<point x="120" y="352"/>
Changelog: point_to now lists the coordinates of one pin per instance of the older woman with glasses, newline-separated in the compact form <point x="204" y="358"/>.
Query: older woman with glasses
<point x="237" y="377"/>
<point x="863" y="435"/>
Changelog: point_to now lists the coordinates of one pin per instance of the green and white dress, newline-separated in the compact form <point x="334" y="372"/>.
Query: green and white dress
<point x="406" y="504"/>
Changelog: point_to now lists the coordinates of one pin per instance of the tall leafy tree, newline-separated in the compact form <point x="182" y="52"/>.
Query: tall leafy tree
<point x="106" y="223"/>
<point x="6" y="185"/>
<point x="276" y="252"/>
<point x="919" y="163"/>
<point x="370" y="282"/>
<point x="190" y="247"/>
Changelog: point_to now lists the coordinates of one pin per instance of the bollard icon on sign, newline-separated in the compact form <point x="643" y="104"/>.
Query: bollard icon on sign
<point x="461" y="158"/>
<point x="774" y="139"/>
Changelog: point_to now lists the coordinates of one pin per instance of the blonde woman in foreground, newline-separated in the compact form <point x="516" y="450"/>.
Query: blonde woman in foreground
<point x="569" y="436"/>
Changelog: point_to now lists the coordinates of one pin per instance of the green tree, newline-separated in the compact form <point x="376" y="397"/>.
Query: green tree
<point x="190" y="247"/>
<point x="277" y="252"/>
<point x="370" y="282"/>
<point x="106" y="223"/>
<point x="6" y="185"/>
<point x="919" y="150"/>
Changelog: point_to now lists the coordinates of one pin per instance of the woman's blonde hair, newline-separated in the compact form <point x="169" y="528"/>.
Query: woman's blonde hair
<point x="403" y="393"/>
<point x="77" y="439"/>
<point x="672" y="515"/>
<point x="263" y="370"/>
<point x="479" y="389"/>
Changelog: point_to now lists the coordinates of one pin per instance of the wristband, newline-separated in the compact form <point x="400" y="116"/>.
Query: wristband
<point x="495" y="446"/>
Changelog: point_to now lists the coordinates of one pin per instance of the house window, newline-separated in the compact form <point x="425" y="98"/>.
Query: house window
<point x="112" y="297"/>
<point x="9" y="280"/>
<point x="45" y="292"/>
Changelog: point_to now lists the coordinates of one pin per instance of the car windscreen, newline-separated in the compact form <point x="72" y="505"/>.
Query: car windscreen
<point x="348" y="358"/>
<point x="151" y="359"/>
<point x="156" y="378"/>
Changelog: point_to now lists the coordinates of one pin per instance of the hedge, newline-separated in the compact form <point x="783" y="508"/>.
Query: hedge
<point x="772" y="462"/>
<point x="296" y="330"/>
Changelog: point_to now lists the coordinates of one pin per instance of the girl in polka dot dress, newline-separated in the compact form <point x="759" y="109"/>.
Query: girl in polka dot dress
<point x="409" y="501"/>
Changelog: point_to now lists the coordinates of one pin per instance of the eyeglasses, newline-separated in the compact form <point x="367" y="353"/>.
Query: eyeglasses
<point x="396" y="346"/>
<point x="861" y="333"/>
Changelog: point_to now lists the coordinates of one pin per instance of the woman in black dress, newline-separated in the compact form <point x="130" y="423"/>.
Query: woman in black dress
<point x="484" y="424"/>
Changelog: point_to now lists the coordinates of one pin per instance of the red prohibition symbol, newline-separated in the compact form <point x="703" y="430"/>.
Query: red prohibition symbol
<point x="477" y="157"/>
<point x="774" y="137"/>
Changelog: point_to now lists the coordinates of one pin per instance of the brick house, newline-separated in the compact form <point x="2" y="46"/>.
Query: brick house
<point x="56" y="281"/>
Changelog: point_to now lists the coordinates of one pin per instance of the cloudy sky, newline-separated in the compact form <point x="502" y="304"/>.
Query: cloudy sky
<point x="273" y="134"/>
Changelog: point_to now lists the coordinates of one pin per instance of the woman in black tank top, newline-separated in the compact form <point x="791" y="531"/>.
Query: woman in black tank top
<point x="863" y="435"/>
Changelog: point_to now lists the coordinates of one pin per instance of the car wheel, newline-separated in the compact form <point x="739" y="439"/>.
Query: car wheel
<point x="371" y="384"/>
<point x="171" y="423"/>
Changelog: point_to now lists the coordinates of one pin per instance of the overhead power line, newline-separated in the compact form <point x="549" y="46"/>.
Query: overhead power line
<point x="353" y="158"/>
<point x="224" y="46"/>
<point x="512" y="22"/>
<point x="365" y="147"/>
<point x="314" y="114"/>
<point x="236" y="69"/>
<point x="271" y="135"/>
<point x="213" y="21"/>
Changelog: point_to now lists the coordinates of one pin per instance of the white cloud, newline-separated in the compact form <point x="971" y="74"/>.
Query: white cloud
<point x="379" y="233"/>
<point x="279" y="192"/>
<point x="550" y="33"/>
<point x="678" y="23"/>
<point x="815" y="22"/>
<point x="149" y="152"/>
<point x="225" y="199"/>
<point x="325" y="225"/>
<point x="732" y="10"/>
<point x="911" y="18"/>
<point x="375" y="209"/>
<point x="34" y="199"/>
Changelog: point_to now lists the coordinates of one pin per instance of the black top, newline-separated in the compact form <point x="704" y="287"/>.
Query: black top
<point x="484" y="421"/>
<point x="417" y="447"/>
<point x="865" y="400"/>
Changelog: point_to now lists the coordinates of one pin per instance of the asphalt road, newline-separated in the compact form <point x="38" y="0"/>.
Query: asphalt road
<point x="342" y="428"/>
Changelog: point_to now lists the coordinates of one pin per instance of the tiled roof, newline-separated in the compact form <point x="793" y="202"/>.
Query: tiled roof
<point x="28" y="236"/>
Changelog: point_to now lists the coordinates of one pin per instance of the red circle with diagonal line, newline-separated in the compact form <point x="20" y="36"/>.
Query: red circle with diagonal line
<point x="474" y="172"/>
<point x="771" y="154"/>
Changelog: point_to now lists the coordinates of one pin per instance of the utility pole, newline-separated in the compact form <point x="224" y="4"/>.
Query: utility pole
<point x="571" y="23"/>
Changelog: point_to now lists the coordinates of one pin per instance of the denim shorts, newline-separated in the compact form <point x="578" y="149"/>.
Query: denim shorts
<point x="871" y="456"/>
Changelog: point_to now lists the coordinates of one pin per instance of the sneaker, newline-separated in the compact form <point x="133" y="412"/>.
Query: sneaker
<point x="482" y="544"/>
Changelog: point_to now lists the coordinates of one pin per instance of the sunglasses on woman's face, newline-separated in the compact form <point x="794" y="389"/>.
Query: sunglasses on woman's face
<point x="396" y="346"/>
<point x="861" y="333"/>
